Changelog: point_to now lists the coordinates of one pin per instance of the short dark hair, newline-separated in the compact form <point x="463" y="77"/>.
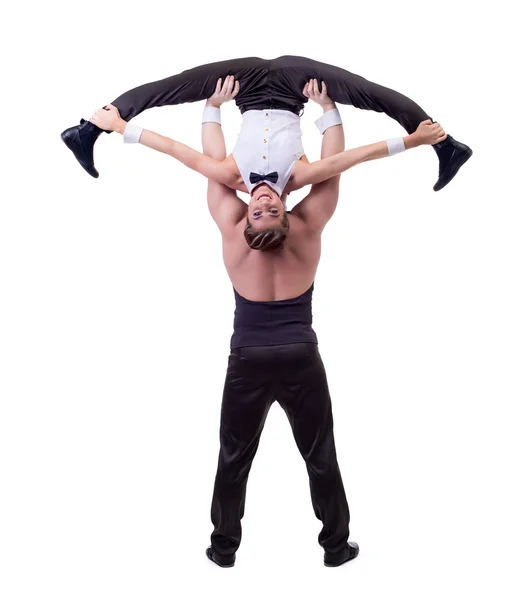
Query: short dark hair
<point x="271" y="238"/>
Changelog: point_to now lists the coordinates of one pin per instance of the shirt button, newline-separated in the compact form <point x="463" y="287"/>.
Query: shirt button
<point x="265" y="157"/>
<point x="267" y="114"/>
<point x="267" y="128"/>
<point x="265" y="141"/>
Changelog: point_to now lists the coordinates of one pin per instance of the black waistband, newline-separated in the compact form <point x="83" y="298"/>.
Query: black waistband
<point x="272" y="323"/>
<point x="296" y="109"/>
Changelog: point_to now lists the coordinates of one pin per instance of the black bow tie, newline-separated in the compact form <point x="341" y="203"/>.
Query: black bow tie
<point x="272" y="177"/>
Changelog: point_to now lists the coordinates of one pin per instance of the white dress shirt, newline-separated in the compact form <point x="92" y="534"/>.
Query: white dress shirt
<point x="270" y="141"/>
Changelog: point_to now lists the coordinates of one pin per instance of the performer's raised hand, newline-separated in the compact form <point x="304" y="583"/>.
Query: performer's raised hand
<point x="311" y="90"/>
<point x="108" y="118"/>
<point x="429" y="133"/>
<point x="225" y="91"/>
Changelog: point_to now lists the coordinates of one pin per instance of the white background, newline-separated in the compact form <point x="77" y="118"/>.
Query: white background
<point x="116" y="314"/>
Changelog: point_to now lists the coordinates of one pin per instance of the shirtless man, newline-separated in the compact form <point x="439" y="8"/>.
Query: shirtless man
<point x="274" y="353"/>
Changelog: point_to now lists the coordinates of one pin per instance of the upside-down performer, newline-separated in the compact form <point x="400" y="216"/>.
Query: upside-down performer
<point x="270" y="98"/>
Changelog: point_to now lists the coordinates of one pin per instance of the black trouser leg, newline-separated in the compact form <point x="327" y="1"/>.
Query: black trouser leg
<point x="197" y="84"/>
<point x="247" y="397"/>
<point x="290" y="73"/>
<point x="305" y="398"/>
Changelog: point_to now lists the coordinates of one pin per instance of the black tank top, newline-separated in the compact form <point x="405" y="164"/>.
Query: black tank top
<point x="273" y="323"/>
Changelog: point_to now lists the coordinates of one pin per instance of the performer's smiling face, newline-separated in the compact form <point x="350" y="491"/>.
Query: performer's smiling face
<point x="267" y="220"/>
<point x="266" y="209"/>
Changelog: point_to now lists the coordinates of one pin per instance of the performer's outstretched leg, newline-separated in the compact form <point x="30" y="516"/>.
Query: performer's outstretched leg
<point x="290" y="73"/>
<point x="191" y="85"/>
<point x="197" y="84"/>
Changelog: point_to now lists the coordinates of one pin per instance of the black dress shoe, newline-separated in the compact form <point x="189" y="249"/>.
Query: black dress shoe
<point x="452" y="156"/>
<point x="81" y="139"/>
<point x="221" y="561"/>
<point x="340" y="558"/>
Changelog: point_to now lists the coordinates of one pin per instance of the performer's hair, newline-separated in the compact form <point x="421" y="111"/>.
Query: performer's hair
<point x="271" y="238"/>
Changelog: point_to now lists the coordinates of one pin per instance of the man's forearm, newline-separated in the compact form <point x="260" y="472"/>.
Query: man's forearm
<point x="213" y="141"/>
<point x="188" y="156"/>
<point x="207" y="166"/>
<point x="183" y="153"/>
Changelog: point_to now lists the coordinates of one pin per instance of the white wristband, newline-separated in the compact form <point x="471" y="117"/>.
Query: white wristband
<point x="212" y="114"/>
<point x="395" y="146"/>
<point x="132" y="133"/>
<point x="328" y="119"/>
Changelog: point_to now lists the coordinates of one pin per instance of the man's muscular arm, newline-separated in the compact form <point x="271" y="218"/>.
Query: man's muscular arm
<point x="223" y="203"/>
<point x="320" y="204"/>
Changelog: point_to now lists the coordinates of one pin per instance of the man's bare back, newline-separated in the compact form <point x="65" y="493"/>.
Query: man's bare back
<point x="277" y="274"/>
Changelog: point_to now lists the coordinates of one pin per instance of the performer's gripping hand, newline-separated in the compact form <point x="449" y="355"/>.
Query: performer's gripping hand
<point x="225" y="91"/>
<point x="429" y="133"/>
<point x="108" y="118"/>
<point x="311" y="91"/>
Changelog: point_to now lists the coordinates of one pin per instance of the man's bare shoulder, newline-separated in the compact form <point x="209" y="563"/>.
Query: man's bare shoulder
<point x="233" y="235"/>
<point x="302" y="237"/>
<point x="317" y="208"/>
<point x="302" y="224"/>
<point x="235" y="247"/>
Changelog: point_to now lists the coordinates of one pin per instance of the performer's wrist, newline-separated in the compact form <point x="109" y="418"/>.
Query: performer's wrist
<point x="120" y="126"/>
<point x="212" y="104"/>
<point x="329" y="106"/>
<point x="411" y="141"/>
